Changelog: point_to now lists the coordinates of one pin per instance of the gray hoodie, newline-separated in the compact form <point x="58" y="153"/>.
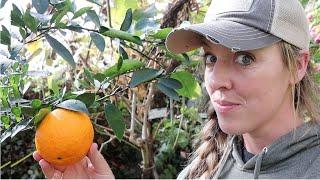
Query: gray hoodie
<point x="294" y="155"/>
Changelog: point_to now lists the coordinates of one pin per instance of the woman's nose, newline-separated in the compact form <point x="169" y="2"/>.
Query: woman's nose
<point x="219" y="76"/>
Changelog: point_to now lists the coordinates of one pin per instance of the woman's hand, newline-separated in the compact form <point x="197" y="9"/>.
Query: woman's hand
<point x="93" y="166"/>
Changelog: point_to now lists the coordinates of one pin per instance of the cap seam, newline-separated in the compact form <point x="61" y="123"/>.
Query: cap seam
<point x="271" y="15"/>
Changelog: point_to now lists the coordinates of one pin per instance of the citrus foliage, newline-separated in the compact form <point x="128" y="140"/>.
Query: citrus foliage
<point x="116" y="63"/>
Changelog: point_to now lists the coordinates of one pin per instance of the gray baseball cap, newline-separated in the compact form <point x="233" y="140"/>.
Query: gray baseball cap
<point x="245" y="25"/>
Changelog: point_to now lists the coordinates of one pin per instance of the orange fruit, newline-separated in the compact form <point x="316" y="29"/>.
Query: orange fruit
<point x="64" y="137"/>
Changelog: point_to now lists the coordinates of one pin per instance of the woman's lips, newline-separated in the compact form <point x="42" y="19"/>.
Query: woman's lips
<point x="225" y="106"/>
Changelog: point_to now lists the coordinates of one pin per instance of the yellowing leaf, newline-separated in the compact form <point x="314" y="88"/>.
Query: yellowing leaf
<point x="34" y="46"/>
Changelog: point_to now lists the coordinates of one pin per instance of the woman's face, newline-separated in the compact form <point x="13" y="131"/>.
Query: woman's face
<point x="249" y="90"/>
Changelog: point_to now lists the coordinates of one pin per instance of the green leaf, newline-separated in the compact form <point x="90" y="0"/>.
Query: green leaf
<point x="16" y="16"/>
<point x="63" y="8"/>
<point x="128" y="65"/>
<point x="64" y="4"/>
<point x="61" y="50"/>
<point x="94" y="18"/>
<point x="30" y="21"/>
<point x="87" y="98"/>
<point x="98" y="40"/>
<point x="178" y="57"/>
<point x="89" y="75"/>
<point x="74" y="105"/>
<point x="40" y="5"/>
<point x="162" y="33"/>
<point x="54" y="16"/>
<point x="190" y="87"/>
<point x="36" y="103"/>
<point x="125" y="26"/>
<point x="5" y="102"/>
<point x="5" y="120"/>
<point x="100" y="77"/>
<point x="186" y="57"/>
<point x="40" y="115"/>
<point x="143" y="75"/>
<point x="115" y="119"/>
<point x="59" y="15"/>
<point x="80" y="12"/>
<point x="120" y="62"/>
<point x="23" y="33"/>
<point x="119" y="10"/>
<point x="113" y="33"/>
<point x="304" y="2"/>
<point x="5" y="37"/>
<point x="16" y="111"/>
<point x="75" y="28"/>
<point x="168" y="91"/>
<point x="123" y="52"/>
<point x="170" y="83"/>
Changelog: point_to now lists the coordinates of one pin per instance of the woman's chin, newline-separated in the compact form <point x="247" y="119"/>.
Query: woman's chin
<point x="231" y="128"/>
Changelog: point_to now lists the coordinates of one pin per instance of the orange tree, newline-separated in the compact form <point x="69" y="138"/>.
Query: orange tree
<point x="111" y="56"/>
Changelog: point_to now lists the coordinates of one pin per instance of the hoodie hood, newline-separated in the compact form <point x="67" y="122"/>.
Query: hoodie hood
<point x="302" y="138"/>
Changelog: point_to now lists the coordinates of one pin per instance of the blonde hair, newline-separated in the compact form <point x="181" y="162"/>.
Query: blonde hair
<point x="213" y="141"/>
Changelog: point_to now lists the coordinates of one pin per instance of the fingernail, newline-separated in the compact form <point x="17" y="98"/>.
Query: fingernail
<point x="95" y="145"/>
<point x="42" y="163"/>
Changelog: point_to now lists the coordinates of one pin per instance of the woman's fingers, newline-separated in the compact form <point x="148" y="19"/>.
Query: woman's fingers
<point x="36" y="156"/>
<point x="49" y="171"/>
<point x="99" y="163"/>
<point x="76" y="171"/>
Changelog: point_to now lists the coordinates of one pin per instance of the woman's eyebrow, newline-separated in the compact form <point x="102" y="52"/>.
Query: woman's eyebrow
<point x="206" y="43"/>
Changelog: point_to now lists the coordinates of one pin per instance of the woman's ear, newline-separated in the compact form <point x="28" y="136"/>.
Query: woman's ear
<point x="302" y="65"/>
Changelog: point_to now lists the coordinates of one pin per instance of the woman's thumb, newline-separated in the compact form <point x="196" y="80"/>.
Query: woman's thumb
<point x="99" y="163"/>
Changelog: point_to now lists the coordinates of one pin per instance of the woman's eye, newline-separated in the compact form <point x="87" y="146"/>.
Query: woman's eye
<point x="244" y="59"/>
<point x="210" y="59"/>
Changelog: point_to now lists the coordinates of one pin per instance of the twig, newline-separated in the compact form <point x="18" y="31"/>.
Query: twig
<point x="144" y="55"/>
<point x="133" y="114"/>
<point x="146" y="110"/>
<point x="129" y="107"/>
<point x="110" y="25"/>
<point x="134" y="144"/>
<point x="83" y="28"/>
<point x="20" y="160"/>
<point x="181" y="119"/>
<point x="109" y="13"/>
<point x="113" y="93"/>
<point x="39" y="36"/>
<point x="157" y="129"/>
<point x="103" y="144"/>
<point x="87" y="56"/>
<point x="171" y="110"/>
<point x="6" y="164"/>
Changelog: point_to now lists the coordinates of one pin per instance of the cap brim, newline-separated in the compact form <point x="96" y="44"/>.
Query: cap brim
<point x="233" y="35"/>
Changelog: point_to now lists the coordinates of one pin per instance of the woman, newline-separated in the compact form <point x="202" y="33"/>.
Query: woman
<point x="258" y="77"/>
<point x="257" y="74"/>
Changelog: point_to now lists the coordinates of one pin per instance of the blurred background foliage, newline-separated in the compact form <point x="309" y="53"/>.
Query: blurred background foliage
<point x="147" y="104"/>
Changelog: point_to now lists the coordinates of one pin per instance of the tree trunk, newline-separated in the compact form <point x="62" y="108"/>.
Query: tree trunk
<point x="178" y="12"/>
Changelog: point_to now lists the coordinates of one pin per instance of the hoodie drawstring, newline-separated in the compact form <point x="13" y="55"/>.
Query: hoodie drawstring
<point x="224" y="158"/>
<point x="257" y="166"/>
